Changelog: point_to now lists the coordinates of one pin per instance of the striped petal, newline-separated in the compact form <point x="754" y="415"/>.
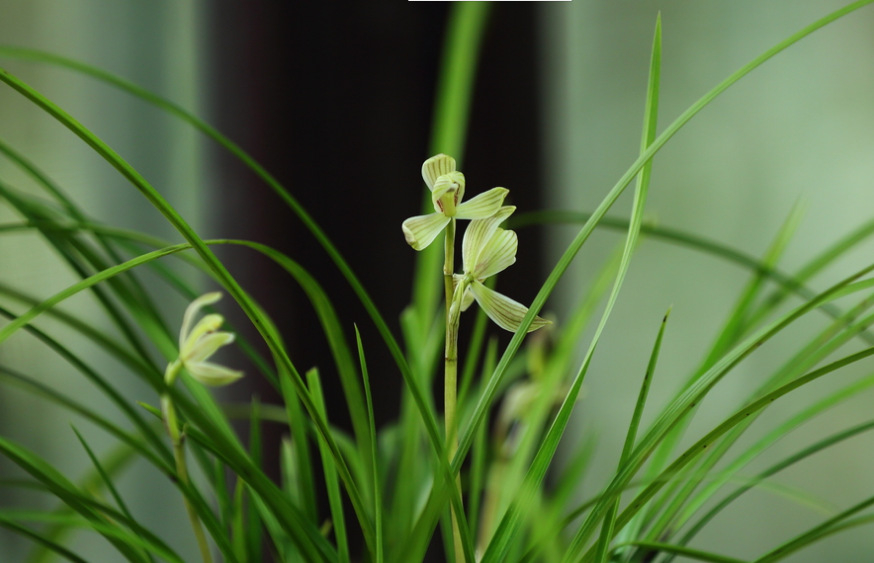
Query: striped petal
<point x="437" y="166"/>
<point x="506" y="313"/>
<point x="421" y="230"/>
<point x="206" y="346"/>
<point x="482" y="206"/>
<point x="478" y="234"/>
<point x="212" y="374"/>
<point x="498" y="254"/>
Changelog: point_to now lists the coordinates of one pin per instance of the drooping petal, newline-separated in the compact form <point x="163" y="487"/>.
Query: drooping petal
<point x="212" y="374"/>
<point x="192" y="310"/>
<point x="506" y="313"/>
<point x="478" y="234"/>
<point x="482" y="206"/>
<point x="207" y="346"/>
<point x="421" y="230"/>
<point x="436" y="166"/>
<point x="497" y="255"/>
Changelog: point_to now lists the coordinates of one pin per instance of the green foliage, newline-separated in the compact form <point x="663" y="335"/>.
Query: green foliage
<point x="398" y="487"/>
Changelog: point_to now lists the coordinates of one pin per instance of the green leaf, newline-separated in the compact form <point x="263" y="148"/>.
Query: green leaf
<point x="332" y="483"/>
<point x="210" y="260"/>
<point x="108" y="482"/>
<point x="650" y="122"/>
<point x="695" y="554"/>
<point x="374" y="457"/>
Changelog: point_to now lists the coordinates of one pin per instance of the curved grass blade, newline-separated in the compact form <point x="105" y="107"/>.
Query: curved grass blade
<point x="731" y="332"/>
<point x="821" y="347"/>
<point x="814" y="534"/>
<point x="137" y="292"/>
<point x="831" y="530"/>
<point x="112" y="347"/>
<point x="293" y="268"/>
<point x="70" y="251"/>
<point x="374" y="457"/>
<point x="314" y="545"/>
<point x="695" y="554"/>
<point x="483" y="405"/>
<point x="107" y="481"/>
<point x="330" y="473"/>
<point x="630" y="437"/>
<point x="43" y="541"/>
<point x="106" y="388"/>
<point x="242" y="298"/>
<point x="650" y="122"/>
<point x="510" y="522"/>
<point x="773" y="436"/>
<point x="702" y="444"/>
<point x="128" y="172"/>
<point x="67" y="492"/>
<point x="113" y="534"/>
<point x="677" y="410"/>
<point x="814" y="266"/>
<point x="788" y="283"/>
<point x="124" y="238"/>
<point x="776" y="468"/>
<point x="113" y="463"/>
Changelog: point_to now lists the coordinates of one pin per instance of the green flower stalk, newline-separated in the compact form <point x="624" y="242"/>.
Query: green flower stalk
<point x="196" y="345"/>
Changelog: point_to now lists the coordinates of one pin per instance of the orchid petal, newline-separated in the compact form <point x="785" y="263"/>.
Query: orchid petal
<point x="506" y="313"/>
<point x="478" y="234"/>
<point x="209" y="323"/>
<point x="498" y="255"/>
<point x="436" y="166"/>
<point x="212" y="374"/>
<point x="482" y="206"/>
<point x="192" y="310"/>
<point x="206" y="346"/>
<point x="421" y="230"/>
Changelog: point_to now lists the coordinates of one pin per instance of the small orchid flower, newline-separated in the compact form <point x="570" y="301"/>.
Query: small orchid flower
<point x="447" y="191"/>
<point x="486" y="251"/>
<point x="198" y="344"/>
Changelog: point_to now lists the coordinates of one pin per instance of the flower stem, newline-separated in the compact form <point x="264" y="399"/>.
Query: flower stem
<point x="177" y="438"/>
<point x="450" y="377"/>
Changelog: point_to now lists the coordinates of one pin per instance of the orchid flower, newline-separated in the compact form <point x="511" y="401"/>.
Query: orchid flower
<point x="198" y="344"/>
<point x="486" y="251"/>
<point x="447" y="191"/>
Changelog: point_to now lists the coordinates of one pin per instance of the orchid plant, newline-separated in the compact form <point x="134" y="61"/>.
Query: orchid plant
<point x="474" y="492"/>
<point x="486" y="251"/>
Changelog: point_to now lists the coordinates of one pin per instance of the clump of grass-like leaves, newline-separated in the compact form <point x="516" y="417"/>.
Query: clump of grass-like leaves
<point x="472" y="477"/>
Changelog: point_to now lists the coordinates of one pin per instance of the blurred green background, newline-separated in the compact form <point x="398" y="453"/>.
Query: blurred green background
<point x="562" y="88"/>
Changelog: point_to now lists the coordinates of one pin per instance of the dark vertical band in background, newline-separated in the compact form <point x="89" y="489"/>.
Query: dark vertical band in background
<point x="335" y="99"/>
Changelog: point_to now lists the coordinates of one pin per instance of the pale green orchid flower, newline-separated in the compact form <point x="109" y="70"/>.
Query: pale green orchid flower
<point x="447" y="191"/>
<point x="198" y="344"/>
<point x="486" y="251"/>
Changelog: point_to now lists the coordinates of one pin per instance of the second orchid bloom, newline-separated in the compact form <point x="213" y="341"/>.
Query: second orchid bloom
<point x="486" y="251"/>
